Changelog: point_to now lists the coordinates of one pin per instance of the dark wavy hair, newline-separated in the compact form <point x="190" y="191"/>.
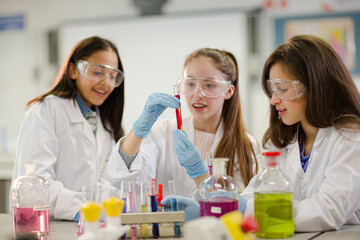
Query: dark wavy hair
<point x="235" y="138"/>
<point x="332" y="96"/>
<point x="111" y="111"/>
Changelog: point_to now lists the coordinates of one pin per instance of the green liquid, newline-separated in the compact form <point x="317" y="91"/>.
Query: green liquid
<point x="273" y="212"/>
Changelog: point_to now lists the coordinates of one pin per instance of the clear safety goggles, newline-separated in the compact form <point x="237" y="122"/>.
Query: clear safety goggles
<point x="286" y="89"/>
<point x="210" y="88"/>
<point x="99" y="72"/>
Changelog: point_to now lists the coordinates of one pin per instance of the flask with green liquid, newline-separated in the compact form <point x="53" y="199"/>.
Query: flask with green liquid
<point x="273" y="200"/>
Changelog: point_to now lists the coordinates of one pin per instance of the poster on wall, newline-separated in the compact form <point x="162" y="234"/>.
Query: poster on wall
<point x="341" y="31"/>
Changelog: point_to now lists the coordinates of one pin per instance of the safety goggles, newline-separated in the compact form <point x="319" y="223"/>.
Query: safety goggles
<point x="286" y="89"/>
<point x="99" y="72"/>
<point x="210" y="88"/>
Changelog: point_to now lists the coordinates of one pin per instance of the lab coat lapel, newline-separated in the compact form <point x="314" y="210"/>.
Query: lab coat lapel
<point x="76" y="117"/>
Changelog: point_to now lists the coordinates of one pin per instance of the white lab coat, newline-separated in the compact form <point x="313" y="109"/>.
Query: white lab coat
<point x="157" y="160"/>
<point x="56" y="136"/>
<point x="327" y="195"/>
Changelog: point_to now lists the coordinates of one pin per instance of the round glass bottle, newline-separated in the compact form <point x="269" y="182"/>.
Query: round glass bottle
<point x="31" y="203"/>
<point x="273" y="200"/>
<point x="218" y="194"/>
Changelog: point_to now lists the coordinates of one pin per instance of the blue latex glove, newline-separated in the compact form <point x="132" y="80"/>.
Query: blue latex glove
<point x="188" y="155"/>
<point x="77" y="217"/>
<point x="242" y="204"/>
<point x="188" y="205"/>
<point x="154" y="107"/>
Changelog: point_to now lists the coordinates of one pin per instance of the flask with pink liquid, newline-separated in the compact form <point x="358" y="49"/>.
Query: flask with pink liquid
<point x="31" y="203"/>
<point x="218" y="194"/>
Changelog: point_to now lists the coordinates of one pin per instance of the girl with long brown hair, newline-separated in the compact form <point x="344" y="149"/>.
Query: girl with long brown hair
<point x="315" y="124"/>
<point x="70" y="131"/>
<point x="155" y="150"/>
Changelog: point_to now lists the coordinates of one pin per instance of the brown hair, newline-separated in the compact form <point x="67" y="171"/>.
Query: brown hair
<point x="332" y="96"/>
<point x="235" y="138"/>
<point x="111" y="111"/>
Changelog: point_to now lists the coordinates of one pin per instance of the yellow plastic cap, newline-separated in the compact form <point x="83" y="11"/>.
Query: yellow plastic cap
<point x="113" y="206"/>
<point x="232" y="221"/>
<point x="91" y="211"/>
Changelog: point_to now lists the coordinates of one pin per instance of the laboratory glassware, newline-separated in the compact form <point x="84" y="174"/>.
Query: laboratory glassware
<point x="159" y="197"/>
<point x="132" y="203"/>
<point x="91" y="212"/>
<point x="31" y="203"/>
<point x="174" y="207"/>
<point x="113" y="207"/>
<point x="273" y="200"/>
<point x="218" y="194"/>
<point x="155" y="229"/>
<point x="144" y="194"/>
<point x="90" y="193"/>
<point x="209" y="156"/>
<point x="178" y="110"/>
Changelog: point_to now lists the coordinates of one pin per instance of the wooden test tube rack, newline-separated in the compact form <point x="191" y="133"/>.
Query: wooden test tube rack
<point x="164" y="219"/>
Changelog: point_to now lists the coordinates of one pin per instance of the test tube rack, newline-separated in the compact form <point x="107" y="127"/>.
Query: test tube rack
<point x="166" y="222"/>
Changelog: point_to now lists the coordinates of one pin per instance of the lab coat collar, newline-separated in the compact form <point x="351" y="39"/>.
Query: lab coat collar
<point x="73" y="111"/>
<point x="320" y="136"/>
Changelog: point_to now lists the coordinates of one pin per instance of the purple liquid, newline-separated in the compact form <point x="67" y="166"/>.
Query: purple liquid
<point x="28" y="220"/>
<point x="218" y="206"/>
<point x="178" y="115"/>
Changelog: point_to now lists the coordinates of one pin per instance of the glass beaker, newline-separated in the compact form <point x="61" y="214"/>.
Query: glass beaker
<point x="31" y="203"/>
<point x="218" y="194"/>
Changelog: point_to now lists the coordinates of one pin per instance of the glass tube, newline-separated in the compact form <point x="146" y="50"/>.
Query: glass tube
<point x="174" y="207"/>
<point x="178" y="110"/>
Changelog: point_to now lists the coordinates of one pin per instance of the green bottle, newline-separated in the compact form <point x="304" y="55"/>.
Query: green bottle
<point x="273" y="200"/>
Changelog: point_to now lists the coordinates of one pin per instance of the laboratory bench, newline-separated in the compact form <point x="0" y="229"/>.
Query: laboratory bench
<point x="66" y="230"/>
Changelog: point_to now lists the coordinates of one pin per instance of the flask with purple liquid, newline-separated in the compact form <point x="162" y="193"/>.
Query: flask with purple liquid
<point x="31" y="203"/>
<point x="218" y="194"/>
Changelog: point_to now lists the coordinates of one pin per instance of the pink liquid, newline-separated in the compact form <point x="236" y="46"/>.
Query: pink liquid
<point x="28" y="220"/>
<point x="218" y="206"/>
<point x="210" y="170"/>
<point x="178" y="115"/>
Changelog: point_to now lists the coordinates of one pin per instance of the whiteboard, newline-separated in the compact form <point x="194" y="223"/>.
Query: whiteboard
<point x="153" y="50"/>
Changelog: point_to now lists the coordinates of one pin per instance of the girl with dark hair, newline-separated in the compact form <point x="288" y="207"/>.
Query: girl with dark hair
<point x="70" y="131"/>
<point x="210" y="88"/>
<point x="315" y="123"/>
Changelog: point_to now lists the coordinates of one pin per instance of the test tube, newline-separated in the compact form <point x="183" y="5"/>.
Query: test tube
<point x="174" y="207"/>
<point x="159" y="197"/>
<point x="178" y="110"/>
<point x="144" y="204"/>
<point x="132" y="203"/>
<point x="209" y="156"/>
<point x="124" y="187"/>
<point x="155" y="229"/>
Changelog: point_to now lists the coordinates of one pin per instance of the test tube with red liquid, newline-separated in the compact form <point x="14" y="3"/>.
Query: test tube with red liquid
<point x="178" y="110"/>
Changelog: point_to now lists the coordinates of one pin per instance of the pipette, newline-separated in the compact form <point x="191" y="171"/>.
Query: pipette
<point x="155" y="229"/>
<point x="174" y="207"/>
<point x="178" y="110"/>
